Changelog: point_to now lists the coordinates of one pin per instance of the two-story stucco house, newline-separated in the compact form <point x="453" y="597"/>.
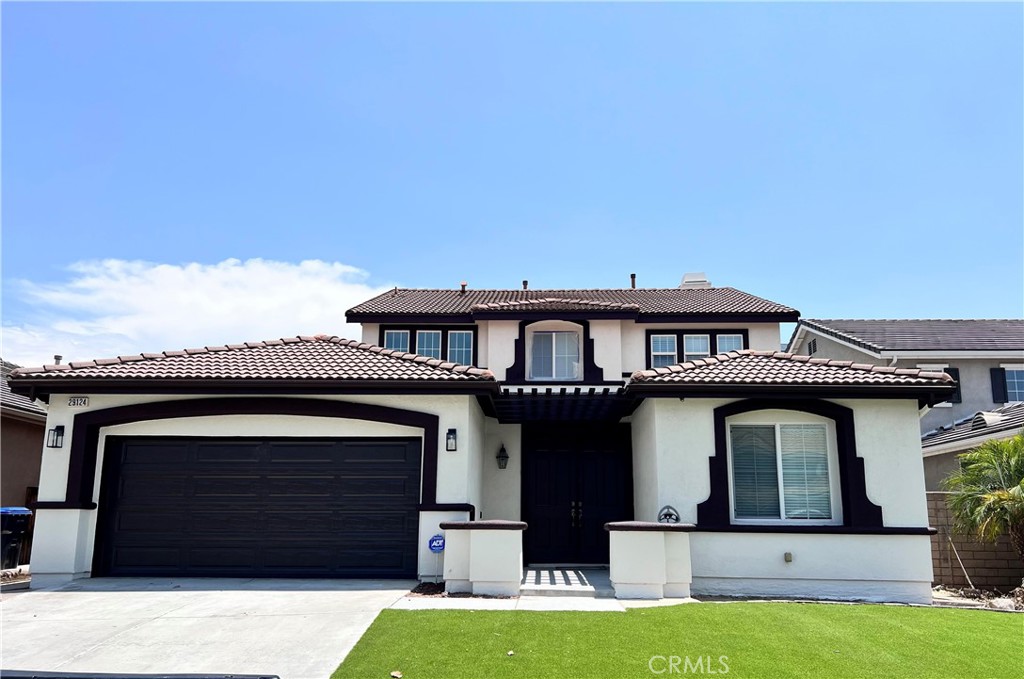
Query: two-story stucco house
<point x="318" y="456"/>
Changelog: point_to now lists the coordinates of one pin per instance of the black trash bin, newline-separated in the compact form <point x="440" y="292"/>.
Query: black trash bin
<point x="13" y="526"/>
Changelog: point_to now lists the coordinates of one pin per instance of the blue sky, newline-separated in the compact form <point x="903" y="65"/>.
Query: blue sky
<point x="857" y="160"/>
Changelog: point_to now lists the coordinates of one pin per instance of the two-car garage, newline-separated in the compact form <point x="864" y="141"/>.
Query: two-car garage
<point x="259" y="507"/>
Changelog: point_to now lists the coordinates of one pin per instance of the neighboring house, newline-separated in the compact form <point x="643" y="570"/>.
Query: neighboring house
<point x="318" y="456"/>
<point x="22" y="423"/>
<point x="985" y="357"/>
<point x="990" y="565"/>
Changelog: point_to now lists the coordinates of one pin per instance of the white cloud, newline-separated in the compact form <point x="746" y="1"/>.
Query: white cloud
<point x="116" y="307"/>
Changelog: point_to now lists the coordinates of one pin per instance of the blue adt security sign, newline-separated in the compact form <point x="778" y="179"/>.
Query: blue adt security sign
<point x="436" y="544"/>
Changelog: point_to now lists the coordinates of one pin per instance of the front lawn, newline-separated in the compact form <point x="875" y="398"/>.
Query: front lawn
<point x="750" y="639"/>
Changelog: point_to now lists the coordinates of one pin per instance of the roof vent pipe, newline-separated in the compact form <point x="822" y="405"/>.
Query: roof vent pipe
<point x="57" y="358"/>
<point x="526" y="285"/>
<point x="463" y="285"/>
<point x="632" y="281"/>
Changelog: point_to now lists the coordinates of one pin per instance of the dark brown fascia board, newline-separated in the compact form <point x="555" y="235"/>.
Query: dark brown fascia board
<point x="443" y="319"/>
<point x="613" y="314"/>
<point x="784" y="317"/>
<point x="22" y="415"/>
<point x="924" y="395"/>
<point x="44" y="387"/>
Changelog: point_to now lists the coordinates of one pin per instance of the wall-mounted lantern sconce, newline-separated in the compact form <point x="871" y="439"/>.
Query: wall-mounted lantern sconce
<point x="449" y="440"/>
<point x="502" y="457"/>
<point x="55" y="437"/>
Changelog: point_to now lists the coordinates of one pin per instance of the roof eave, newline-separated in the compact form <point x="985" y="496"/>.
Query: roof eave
<point x="925" y="395"/>
<point x="41" y="386"/>
<point x="406" y="317"/>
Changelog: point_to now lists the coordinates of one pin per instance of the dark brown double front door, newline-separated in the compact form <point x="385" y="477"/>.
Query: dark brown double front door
<point x="575" y="479"/>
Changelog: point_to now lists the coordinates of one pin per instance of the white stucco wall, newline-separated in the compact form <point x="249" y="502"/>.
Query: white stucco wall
<point x="64" y="538"/>
<point x="501" y="487"/>
<point x="607" y="336"/>
<point x="501" y="350"/>
<point x="371" y="333"/>
<point x="869" y="567"/>
<point x="673" y="441"/>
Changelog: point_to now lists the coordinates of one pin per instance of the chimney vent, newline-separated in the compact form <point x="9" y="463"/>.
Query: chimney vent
<point x="697" y="279"/>
<point x="632" y="280"/>
<point x="526" y="285"/>
<point x="57" y="358"/>
<point x="463" y="285"/>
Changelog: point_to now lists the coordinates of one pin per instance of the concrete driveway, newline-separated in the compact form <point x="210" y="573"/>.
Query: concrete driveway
<point x="297" y="629"/>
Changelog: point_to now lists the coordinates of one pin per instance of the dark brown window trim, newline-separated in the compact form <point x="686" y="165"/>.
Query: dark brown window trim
<point x="450" y="507"/>
<point x="859" y="513"/>
<point x="86" y="429"/>
<point x="592" y="374"/>
<point x="679" y="333"/>
<point x="444" y="329"/>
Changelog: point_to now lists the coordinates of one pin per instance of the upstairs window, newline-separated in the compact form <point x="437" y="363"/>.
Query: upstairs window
<point x="783" y="473"/>
<point x="555" y="355"/>
<point x="1015" y="384"/>
<point x="460" y="347"/>
<point x="428" y="343"/>
<point x="728" y="343"/>
<point x="663" y="351"/>
<point x="696" y="346"/>
<point x="397" y="340"/>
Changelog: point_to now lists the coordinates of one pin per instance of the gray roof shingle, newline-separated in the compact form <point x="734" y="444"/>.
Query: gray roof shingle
<point x="1009" y="418"/>
<point x="925" y="334"/>
<point x="776" y="368"/>
<point x="664" y="301"/>
<point x="291" y="358"/>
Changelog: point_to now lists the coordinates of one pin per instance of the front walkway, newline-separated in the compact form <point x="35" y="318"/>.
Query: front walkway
<point x="296" y="629"/>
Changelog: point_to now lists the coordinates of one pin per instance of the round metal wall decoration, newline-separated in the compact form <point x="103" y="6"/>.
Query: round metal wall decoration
<point x="668" y="514"/>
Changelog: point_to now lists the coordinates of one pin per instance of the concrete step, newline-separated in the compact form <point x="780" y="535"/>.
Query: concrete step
<point x="573" y="582"/>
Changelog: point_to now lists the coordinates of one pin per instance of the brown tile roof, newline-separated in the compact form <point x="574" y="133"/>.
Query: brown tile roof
<point x="925" y="334"/>
<point x="1009" y="419"/>
<point x="776" y="368"/>
<point x="655" y="301"/>
<point x="17" y="402"/>
<point x="291" y="358"/>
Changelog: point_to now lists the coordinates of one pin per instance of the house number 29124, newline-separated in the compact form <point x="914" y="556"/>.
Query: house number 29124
<point x="78" y="401"/>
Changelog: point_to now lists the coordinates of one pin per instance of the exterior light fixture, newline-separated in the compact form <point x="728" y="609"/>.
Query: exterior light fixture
<point x="502" y="457"/>
<point x="55" y="437"/>
<point x="450" y="440"/>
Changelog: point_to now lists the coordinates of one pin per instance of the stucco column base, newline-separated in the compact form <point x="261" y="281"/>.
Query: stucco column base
<point x="649" y="560"/>
<point x="484" y="557"/>
<point x="502" y="588"/>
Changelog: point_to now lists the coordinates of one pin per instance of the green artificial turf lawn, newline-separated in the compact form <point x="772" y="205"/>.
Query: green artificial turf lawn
<point x="758" y="639"/>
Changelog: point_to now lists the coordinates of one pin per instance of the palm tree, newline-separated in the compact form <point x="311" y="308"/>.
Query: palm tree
<point x="988" y="491"/>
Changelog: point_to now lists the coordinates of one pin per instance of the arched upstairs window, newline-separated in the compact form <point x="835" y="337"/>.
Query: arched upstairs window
<point x="555" y="352"/>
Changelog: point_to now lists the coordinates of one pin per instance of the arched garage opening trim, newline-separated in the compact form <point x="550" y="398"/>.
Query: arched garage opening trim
<point x="86" y="434"/>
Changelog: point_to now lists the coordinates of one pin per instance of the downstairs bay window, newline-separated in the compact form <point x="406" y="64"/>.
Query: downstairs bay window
<point x="783" y="469"/>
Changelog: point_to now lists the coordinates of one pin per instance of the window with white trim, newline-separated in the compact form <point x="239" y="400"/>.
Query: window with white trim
<point x="727" y="343"/>
<point x="1015" y="384"/>
<point x="696" y="346"/>
<point x="783" y="471"/>
<point x="663" y="351"/>
<point x="460" y="346"/>
<point x="936" y="368"/>
<point x="428" y="343"/>
<point x="396" y="339"/>
<point x="555" y="355"/>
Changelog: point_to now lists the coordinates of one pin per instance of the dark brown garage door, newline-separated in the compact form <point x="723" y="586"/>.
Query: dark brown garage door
<point x="259" y="507"/>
